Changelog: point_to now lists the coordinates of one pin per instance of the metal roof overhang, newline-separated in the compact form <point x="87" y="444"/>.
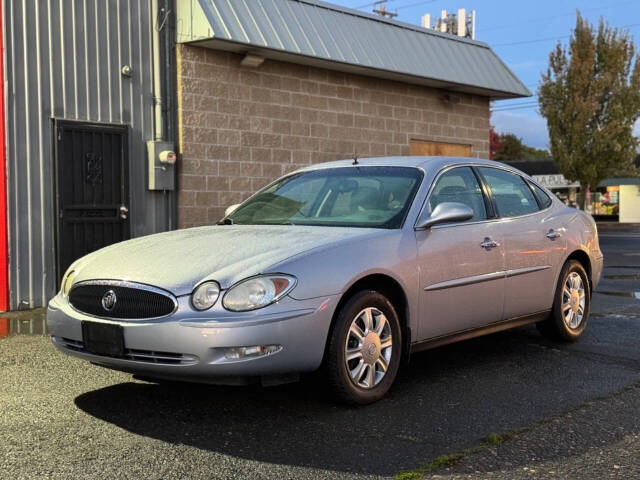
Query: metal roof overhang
<point x="319" y="34"/>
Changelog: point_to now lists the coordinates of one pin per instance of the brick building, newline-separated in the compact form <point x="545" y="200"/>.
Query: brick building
<point x="264" y="91"/>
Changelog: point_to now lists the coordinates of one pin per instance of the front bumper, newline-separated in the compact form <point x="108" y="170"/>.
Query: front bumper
<point x="191" y="346"/>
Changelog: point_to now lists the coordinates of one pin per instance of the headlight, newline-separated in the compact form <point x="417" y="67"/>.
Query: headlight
<point x="67" y="282"/>
<point x="257" y="292"/>
<point x="205" y="295"/>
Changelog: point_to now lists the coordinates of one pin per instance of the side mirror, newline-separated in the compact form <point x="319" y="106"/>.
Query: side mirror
<point x="230" y="209"/>
<point x="446" y="212"/>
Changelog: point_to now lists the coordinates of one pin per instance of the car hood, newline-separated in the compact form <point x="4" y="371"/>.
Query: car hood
<point x="179" y="260"/>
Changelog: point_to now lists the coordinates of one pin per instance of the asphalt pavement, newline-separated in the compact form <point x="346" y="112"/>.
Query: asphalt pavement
<point x="508" y="405"/>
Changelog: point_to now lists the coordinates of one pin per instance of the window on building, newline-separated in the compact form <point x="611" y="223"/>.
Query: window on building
<point x="419" y="147"/>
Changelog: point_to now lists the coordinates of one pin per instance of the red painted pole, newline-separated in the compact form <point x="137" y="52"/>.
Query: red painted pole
<point x="4" y="248"/>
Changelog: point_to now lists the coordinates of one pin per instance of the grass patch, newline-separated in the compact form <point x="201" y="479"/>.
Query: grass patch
<point x="438" y="463"/>
<point x="444" y="461"/>
<point x="494" y="439"/>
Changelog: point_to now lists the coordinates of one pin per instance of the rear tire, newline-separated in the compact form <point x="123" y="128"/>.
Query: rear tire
<point x="365" y="348"/>
<point x="571" y="305"/>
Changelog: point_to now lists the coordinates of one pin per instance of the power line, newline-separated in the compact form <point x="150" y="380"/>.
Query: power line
<point x="401" y="7"/>
<point x="552" y="17"/>
<point x="520" y="104"/>
<point x="527" y="99"/>
<point x="509" y="105"/>
<point x="537" y="40"/>
<point x="527" y="107"/>
<point x="371" y="4"/>
<point x="521" y="107"/>
<point x="416" y="4"/>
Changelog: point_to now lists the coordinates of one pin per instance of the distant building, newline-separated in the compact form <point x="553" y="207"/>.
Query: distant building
<point x="614" y="199"/>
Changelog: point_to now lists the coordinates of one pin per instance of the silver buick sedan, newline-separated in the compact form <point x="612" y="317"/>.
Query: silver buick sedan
<point x="345" y="267"/>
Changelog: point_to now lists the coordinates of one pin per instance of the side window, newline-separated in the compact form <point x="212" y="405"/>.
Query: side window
<point x="512" y="195"/>
<point x="545" y="200"/>
<point x="459" y="185"/>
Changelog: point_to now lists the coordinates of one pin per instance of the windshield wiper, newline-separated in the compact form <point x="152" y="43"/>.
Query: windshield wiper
<point x="286" y="222"/>
<point x="225" y="221"/>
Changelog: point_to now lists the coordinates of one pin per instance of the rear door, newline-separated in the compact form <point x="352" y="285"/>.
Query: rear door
<point x="461" y="264"/>
<point x="533" y="242"/>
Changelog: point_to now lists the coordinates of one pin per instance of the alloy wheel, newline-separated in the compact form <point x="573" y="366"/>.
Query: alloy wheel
<point x="573" y="300"/>
<point x="368" y="348"/>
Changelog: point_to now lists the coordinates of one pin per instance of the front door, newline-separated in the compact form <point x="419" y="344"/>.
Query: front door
<point x="92" y="188"/>
<point x="461" y="265"/>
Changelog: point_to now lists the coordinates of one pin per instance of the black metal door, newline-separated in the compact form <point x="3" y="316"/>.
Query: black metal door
<point x="92" y="188"/>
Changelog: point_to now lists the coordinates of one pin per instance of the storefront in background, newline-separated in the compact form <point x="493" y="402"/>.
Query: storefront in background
<point x="614" y="199"/>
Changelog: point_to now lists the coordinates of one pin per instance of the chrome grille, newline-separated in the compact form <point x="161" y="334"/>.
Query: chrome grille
<point x="133" y="301"/>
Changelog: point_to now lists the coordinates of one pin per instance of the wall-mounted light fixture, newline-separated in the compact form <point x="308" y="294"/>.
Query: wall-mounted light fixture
<point x="450" y="98"/>
<point x="252" y="60"/>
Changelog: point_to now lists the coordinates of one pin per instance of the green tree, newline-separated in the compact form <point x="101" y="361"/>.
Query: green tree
<point x="512" y="148"/>
<point x="590" y="97"/>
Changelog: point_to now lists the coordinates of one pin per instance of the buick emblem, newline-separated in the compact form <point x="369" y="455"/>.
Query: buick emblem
<point x="109" y="300"/>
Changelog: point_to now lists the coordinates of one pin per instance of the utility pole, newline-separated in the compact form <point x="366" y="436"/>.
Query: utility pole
<point x="382" y="11"/>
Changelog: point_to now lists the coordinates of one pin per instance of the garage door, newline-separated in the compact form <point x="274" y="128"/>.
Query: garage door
<point x="419" y="147"/>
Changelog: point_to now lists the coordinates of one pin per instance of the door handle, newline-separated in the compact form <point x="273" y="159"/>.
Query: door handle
<point x="488" y="243"/>
<point x="123" y="212"/>
<point x="552" y="235"/>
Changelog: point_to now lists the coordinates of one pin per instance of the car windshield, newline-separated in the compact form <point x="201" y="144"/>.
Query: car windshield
<point x="358" y="196"/>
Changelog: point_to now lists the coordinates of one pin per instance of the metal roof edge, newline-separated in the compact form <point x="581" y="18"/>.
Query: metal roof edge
<point x="493" y="93"/>
<point x="439" y="60"/>
<point x="515" y="77"/>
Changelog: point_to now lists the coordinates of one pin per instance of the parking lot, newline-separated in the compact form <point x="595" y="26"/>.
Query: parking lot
<point x="509" y="405"/>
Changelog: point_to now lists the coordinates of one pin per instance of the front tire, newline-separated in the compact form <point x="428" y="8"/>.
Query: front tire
<point x="365" y="348"/>
<point x="571" y="305"/>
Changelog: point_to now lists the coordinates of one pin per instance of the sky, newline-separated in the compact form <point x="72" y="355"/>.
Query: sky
<point x="522" y="33"/>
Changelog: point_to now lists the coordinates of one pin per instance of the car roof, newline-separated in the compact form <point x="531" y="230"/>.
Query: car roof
<point x="424" y="162"/>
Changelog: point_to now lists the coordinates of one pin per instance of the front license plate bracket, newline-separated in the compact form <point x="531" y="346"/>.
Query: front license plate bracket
<point x="103" y="338"/>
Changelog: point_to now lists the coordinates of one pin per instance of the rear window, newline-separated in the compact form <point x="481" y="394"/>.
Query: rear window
<point x="545" y="200"/>
<point x="512" y="195"/>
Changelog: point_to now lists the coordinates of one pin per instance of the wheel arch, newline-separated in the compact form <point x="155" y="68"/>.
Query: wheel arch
<point x="390" y="288"/>
<point x="584" y="259"/>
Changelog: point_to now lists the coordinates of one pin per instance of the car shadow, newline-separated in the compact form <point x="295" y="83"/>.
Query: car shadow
<point x="445" y="400"/>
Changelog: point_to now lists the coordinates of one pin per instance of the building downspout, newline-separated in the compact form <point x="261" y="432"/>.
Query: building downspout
<point x="158" y="133"/>
<point x="162" y="105"/>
